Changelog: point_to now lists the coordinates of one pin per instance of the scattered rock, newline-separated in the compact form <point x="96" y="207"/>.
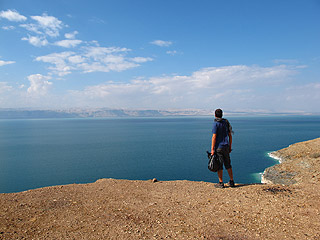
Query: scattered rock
<point x="276" y="190"/>
<point x="274" y="175"/>
<point x="315" y="155"/>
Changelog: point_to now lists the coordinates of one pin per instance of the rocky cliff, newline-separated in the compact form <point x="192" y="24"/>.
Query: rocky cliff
<point x="299" y="163"/>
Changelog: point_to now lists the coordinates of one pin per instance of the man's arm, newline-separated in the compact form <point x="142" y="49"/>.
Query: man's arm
<point x="214" y="136"/>
<point x="230" y="142"/>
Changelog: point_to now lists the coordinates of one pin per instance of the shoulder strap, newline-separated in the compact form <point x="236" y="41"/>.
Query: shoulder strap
<point x="229" y="126"/>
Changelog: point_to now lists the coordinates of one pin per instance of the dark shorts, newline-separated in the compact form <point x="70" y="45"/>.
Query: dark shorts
<point x="224" y="158"/>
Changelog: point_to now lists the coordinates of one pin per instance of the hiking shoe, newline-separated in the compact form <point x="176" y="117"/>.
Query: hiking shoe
<point x="219" y="185"/>
<point x="231" y="183"/>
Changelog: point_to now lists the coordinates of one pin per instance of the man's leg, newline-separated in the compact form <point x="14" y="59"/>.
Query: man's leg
<point x="220" y="173"/>
<point x="231" y="182"/>
<point x="230" y="173"/>
<point x="227" y="162"/>
<point x="220" y="184"/>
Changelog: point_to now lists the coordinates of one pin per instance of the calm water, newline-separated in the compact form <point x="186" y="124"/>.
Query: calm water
<point x="37" y="153"/>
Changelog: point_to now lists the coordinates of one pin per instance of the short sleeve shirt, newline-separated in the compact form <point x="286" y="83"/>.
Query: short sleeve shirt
<point x="221" y="129"/>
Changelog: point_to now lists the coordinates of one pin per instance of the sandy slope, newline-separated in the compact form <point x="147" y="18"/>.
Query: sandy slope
<point x="122" y="209"/>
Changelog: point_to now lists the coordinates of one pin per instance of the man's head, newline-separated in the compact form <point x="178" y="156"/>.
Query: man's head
<point x="218" y="113"/>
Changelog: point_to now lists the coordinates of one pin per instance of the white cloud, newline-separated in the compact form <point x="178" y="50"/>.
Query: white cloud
<point x="92" y="59"/>
<point x="39" y="84"/>
<point x="304" y="94"/>
<point x="161" y="43"/>
<point x="174" y="52"/>
<point x="99" y="53"/>
<point x="68" y="43"/>
<point x="60" y="61"/>
<point x="71" y="35"/>
<point x="49" y="24"/>
<point x="107" y="59"/>
<point x="32" y="28"/>
<point x="12" y="15"/>
<point x="225" y="86"/>
<point x="119" y="66"/>
<point x="36" y="41"/>
<point x="45" y="25"/>
<point x="2" y="63"/>
<point x="141" y="59"/>
<point x="4" y="87"/>
<point x="8" y="27"/>
<point x="76" y="59"/>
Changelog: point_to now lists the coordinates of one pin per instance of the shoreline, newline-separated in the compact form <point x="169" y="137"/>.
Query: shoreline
<point x="273" y="156"/>
<point x="297" y="164"/>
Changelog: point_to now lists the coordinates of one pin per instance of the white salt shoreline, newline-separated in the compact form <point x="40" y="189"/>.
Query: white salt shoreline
<point x="271" y="155"/>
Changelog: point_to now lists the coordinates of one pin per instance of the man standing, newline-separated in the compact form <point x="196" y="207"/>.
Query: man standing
<point x="221" y="146"/>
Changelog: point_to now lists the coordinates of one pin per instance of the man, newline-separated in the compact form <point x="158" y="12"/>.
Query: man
<point x="221" y="145"/>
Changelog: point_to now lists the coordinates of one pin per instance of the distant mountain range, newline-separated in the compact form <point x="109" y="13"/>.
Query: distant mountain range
<point x="11" y="113"/>
<point x="96" y="113"/>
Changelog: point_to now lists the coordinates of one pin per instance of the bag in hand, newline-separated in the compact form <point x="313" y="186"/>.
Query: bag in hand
<point x="213" y="164"/>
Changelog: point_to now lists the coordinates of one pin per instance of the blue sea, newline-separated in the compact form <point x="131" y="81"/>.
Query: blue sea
<point x="45" y="152"/>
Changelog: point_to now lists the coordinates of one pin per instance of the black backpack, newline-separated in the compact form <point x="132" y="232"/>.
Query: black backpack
<point x="213" y="164"/>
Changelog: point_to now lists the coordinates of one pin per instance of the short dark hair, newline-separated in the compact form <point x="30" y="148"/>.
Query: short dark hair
<point x="218" y="113"/>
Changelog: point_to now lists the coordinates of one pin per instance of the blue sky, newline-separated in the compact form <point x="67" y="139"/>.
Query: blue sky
<point x="240" y="55"/>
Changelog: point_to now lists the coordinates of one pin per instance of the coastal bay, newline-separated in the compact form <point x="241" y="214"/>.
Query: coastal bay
<point x="37" y="153"/>
<point x="124" y="209"/>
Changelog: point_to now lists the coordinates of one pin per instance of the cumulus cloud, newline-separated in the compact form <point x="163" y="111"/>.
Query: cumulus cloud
<point x="107" y="59"/>
<point x="141" y="59"/>
<point x="75" y="59"/>
<point x="39" y="84"/>
<point x="31" y="27"/>
<point x="99" y="53"/>
<point x="8" y="28"/>
<point x="161" y="43"/>
<point x="71" y="35"/>
<point x="68" y="43"/>
<point x="36" y="41"/>
<point x="116" y="66"/>
<point x="2" y="63"/>
<point x="60" y="61"/>
<point x="228" y="85"/>
<point x="92" y="59"/>
<point x="12" y="15"/>
<point x="44" y="25"/>
<point x="49" y="24"/>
